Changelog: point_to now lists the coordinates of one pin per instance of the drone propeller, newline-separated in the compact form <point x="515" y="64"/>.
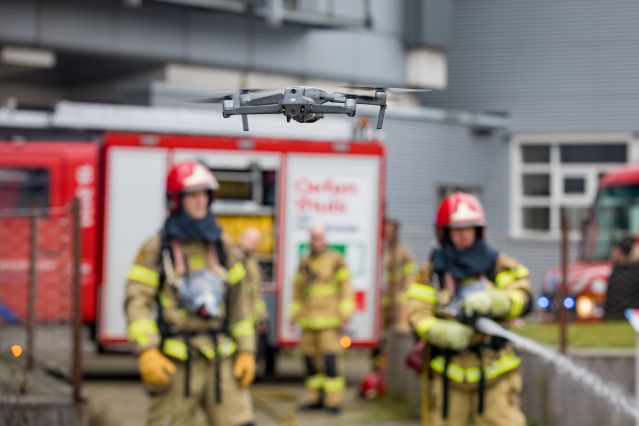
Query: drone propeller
<point x="388" y="89"/>
<point x="222" y="95"/>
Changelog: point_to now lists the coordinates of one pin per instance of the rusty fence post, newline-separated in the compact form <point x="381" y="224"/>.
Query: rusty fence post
<point x="76" y="356"/>
<point x="563" y="312"/>
<point x="31" y="292"/>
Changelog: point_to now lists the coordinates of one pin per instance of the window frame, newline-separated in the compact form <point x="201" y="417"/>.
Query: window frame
<point x="558" y="171"/>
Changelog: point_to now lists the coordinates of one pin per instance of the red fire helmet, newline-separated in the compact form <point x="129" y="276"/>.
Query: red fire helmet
<point x="459" y="210"/>
<point x="188" y="176"/>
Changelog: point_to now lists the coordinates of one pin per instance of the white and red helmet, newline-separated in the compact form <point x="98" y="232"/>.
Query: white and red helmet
<point x="188" y="176"/>
<point x="459" y="210"/>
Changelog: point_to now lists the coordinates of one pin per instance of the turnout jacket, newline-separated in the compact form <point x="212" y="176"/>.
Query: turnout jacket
<point x="156" y="319"/>
<point x="424" y="298"/>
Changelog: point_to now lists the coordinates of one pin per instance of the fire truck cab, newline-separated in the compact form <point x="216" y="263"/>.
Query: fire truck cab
<point x="613" y="216"/>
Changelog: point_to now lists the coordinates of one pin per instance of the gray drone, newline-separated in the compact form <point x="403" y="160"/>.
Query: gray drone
<point x="302" y="103"/>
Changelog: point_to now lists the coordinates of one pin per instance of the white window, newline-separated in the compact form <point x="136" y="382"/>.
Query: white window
<point x="551" y="174"/>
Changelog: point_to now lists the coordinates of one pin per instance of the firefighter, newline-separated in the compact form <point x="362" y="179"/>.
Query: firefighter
<point x="249" y="242"/>
<point x="322" y="304"/>
<point x="188" y="314"/>
<point x="476" y="378"/>
<point x="399" y="271"/>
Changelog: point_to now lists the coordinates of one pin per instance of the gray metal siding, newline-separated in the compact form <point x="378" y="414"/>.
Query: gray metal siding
<point x="422" y="156"/>
<point x="554" y="65"/>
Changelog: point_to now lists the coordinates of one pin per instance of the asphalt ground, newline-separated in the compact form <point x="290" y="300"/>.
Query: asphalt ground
<point x="115" y="396"/>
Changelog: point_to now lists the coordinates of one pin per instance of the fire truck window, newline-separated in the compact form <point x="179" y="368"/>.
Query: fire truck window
<point x="269" y="190"/>
<point x="235" y="185"/>
<point x="616" y="217"/>
<point x="24" y="188"/>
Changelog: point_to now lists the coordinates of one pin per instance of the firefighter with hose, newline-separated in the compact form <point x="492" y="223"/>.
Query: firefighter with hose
<point x="474" y="378"/>
<point x="188" y="313"/>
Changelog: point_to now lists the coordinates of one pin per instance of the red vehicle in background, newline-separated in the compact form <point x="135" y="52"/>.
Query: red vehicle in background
<point x="613" y="217"/>
<point x="48" y="176"/>
<point x="277" y="183"/>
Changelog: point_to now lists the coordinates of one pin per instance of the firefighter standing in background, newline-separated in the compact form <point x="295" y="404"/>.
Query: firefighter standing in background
<point x="399" y="271"/>
<point x="476" y="377"/>
<point x="198" y="349"/>
<point x="322" y="304"/>
<point x="249" y="243"/>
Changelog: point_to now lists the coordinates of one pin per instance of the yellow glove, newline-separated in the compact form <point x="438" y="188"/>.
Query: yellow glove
<point x="494" y="303"/>
<point x="449" y="334"/>
<point x="244" y="368"/>
<point x="155" y="369"/>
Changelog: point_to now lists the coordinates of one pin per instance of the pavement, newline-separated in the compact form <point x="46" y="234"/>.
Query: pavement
<point x="116" y="397"/>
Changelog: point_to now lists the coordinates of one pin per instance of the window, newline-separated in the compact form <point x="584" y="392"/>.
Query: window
<point x="23" y="188"/>
<point x="559" y="174"/>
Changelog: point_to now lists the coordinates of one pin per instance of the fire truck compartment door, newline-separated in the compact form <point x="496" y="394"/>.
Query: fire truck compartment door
<point x="343" y="193"/>
<point x="134" y="210"/>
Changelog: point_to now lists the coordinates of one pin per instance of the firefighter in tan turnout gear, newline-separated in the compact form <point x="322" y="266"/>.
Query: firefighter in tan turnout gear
<point x="249" y="242"/>
<point x="188" y="312"/>
<point x="322" y="304"/>
<point x="475" y="377"/>
<point x="399" y="271"/>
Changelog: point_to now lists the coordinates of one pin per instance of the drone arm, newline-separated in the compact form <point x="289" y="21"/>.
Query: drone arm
<point x="262" y="109"/>
<point x="330" y="109"/>
<point x="367" y="101"/>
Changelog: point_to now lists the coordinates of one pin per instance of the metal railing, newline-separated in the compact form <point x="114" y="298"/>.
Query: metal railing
<point x="40" y="298"/>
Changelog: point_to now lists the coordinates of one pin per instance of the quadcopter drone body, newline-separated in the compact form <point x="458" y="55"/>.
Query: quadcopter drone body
<point x="303" y="104"/>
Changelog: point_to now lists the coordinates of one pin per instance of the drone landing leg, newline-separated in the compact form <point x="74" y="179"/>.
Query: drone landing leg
<point x="380" y="117"/>
<point x="245" y="122"/>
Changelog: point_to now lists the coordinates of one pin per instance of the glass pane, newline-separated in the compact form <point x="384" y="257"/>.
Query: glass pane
<point x="575" y="215"/>
<point x="24" y="188"/>
<point x="269" y="181"/>
<point x="536" y="184"/>
<point x="593" y="153"/>
<point x="236" y="185"/>
<point x="574" y="185"/>
<point x="616" y="216"/>
<point x="536" y="218"/>
<point x="535" y="153"/>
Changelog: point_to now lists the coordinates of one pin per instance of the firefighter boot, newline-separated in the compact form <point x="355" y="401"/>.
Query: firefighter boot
<point x="333" y="385"/>
<point x="313" y="383"/>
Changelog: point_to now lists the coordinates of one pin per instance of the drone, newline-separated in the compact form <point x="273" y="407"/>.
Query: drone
<point x="303" y="104"/>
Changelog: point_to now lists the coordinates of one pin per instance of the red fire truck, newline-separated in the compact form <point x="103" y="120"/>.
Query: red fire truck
<point x="281" y="185"/>
<point x="613" y="217"/>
